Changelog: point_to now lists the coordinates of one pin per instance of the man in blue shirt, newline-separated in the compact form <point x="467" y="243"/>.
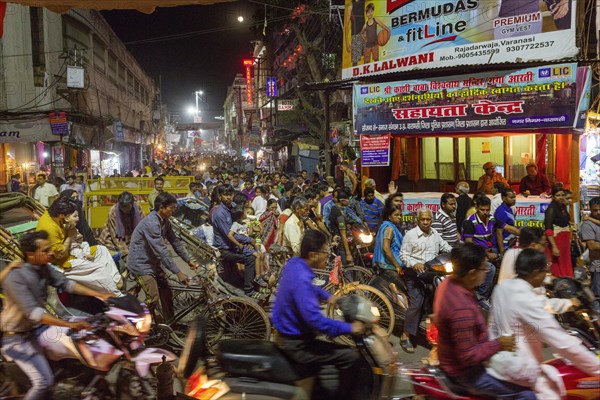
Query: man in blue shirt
<point x="298" y="318"/>
<point x="505" y="220"/>
<point x="221" y="222"/>
<point x="373" y="208"/>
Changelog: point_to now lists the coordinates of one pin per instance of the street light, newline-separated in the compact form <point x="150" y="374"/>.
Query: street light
<point x="198" y="94"/>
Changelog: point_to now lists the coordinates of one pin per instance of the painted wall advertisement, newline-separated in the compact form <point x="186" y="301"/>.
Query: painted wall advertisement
<point x="531" y="98"/>
<point x="383" y="36"/>
<point x="375" y="150"/>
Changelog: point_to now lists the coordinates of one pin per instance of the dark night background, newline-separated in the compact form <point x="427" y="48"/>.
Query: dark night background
<point x="205" y="61"/>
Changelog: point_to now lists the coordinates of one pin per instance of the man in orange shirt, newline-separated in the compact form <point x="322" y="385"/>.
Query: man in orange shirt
<point x="487" y="180"/>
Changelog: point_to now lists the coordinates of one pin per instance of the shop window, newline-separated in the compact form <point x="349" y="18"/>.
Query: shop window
<point x="481" y="150"/>
<point x="438" y="158"/>
<point x="38" y="48"/>
<point x="99" y="55"/>
<point x="76" y="36"/>
<point x="130" y="83"/>
<point x="112" y="67"/>
<point x="136" y="88"/>
<point x="122" y="77"/>
<point x="521" y="152"/>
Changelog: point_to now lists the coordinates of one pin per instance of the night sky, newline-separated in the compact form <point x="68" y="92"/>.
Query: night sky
<point x="206" y="61"/>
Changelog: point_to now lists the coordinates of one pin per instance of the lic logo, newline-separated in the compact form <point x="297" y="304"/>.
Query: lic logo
<point x="544" y="73"/>
<point x="543" y="208"/>
<point x="364" y="90"/>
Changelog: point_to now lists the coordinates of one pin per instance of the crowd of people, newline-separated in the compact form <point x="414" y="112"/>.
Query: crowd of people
<point x="250" y="211"/>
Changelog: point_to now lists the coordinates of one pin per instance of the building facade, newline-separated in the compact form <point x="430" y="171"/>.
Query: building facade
<point x="69" y="73"/>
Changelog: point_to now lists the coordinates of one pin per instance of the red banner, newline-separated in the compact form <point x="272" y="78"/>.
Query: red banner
<point x="2" y="14"/>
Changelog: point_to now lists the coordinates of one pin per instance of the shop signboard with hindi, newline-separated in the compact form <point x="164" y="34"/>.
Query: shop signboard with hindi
<point x="58" y="123"/>
<point x="531" y="98"/>
<point x="383" y="36"/>
<point x="375" y="150"/>
<point x="529" y="211"/>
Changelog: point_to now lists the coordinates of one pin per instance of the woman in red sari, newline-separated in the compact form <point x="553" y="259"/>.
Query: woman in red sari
<point x="269" y="221"/>
<point x="558" y="230"/>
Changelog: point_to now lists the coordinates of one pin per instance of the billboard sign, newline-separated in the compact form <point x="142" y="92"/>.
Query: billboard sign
<point x="383" y="36"/>
<point x="531" y="98"/>
<point x="58" y="123"/>
<point x="271" y="86"/>
<point x="375" y="150"/>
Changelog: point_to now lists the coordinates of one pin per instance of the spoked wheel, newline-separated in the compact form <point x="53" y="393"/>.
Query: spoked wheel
<point x="235" y="318"/>
<point x="183" y="300"/>
<point x="358" y="274"/>
<point x="386" y="312"/>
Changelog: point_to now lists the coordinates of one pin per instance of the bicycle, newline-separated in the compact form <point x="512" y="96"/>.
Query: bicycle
<point x="343" y="285"/>
<point x="227" y="317"/>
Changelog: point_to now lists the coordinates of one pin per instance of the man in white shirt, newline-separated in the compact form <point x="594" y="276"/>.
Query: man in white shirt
<point x="259" y="203"/>
<point x="420" y="244"/>
<point x="518" y="309"/>
<point x="293" y="230"/>
<point x="73" y="186"/>
<point x="45" y="192"/>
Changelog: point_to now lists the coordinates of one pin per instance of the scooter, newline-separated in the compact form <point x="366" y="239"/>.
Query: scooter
<point x="435" y="272"/>
<point x="82" y="360"/>
<point x="253" y="369"/>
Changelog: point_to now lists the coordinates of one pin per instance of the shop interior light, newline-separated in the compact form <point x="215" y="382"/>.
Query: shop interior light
<point x="45" y="154"/>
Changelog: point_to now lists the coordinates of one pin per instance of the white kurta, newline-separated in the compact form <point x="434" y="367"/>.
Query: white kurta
<point x="517" y="309"/>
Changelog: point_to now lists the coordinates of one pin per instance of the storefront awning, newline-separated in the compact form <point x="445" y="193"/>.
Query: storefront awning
<point x="27" y="131"/>
<point x="145" y="6"/>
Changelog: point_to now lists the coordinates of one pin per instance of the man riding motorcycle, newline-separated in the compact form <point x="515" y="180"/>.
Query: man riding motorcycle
<point x="24" y="317"/>
<point x="517" y="308"/>
<point x="298" y="318"/>
<point x="420" y="245"/>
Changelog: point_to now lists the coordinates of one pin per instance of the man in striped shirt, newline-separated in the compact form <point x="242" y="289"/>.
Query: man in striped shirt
<point x="373" y="208"/>
<point x="479" y="229"/>
<point x="445" y="220"/>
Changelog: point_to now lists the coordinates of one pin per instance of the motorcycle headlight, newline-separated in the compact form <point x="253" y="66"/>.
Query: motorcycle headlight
<point x="449" y="268"/>
<point x="143" y="324"/>
<point x="366" y="238"/>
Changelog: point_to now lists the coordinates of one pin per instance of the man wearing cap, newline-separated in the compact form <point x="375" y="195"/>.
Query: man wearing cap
<point x="487" y="180"/>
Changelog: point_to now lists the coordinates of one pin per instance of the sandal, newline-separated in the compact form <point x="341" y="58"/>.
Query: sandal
<point x="406" y="344"/>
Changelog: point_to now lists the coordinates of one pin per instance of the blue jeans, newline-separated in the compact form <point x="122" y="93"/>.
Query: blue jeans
<point x="479" y="382"/>
<point x="596" y="283"/>
<point x="25" y="352"/>
<point x="484" y="290"/>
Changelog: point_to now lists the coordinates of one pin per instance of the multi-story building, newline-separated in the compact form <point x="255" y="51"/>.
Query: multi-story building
<point x="71" y="63"/>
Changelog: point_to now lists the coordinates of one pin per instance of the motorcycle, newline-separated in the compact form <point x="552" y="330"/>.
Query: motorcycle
<point x="584" y="323"/>
<point x="430" y="382"/>
<point x="361" y="243"/>
<point x="435" y="272"/>
<point x="116" y="343"/>
<point x="585" y="320"/>
<point x="258" y="369"/>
